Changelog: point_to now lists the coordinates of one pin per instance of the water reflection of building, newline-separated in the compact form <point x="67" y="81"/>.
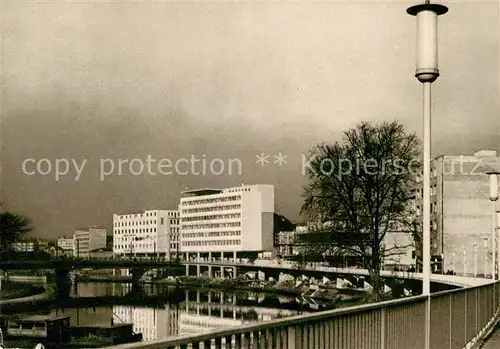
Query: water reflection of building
<point x="94" y="289"/>
<point x="194" y="323"/>
<point x="208" y="310"/>
<point x="153" y="323"/>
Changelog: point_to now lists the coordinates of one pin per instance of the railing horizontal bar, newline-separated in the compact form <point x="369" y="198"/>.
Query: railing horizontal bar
<point x="284" y="322"/>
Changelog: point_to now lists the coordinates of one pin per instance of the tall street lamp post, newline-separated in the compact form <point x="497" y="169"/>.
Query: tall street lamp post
<point x="485" y="240"/>
<point x="497" y="228"/>
<point x="475" y="260"/>
<point x="493" y="198"/>
<point x="427" y="72"/>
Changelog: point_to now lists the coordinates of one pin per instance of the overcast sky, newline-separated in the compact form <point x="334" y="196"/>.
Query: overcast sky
<point x="118" y="81"/>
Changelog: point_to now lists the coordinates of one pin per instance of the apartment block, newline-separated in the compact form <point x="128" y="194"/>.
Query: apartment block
<point x="461" y="212"/>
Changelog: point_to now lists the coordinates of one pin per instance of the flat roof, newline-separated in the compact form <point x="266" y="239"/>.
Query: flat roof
<point x="203" y="191"/>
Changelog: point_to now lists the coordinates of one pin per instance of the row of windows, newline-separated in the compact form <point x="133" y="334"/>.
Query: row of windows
<point x="212" y="233"/>
<point x="212" y="208"/>
<point x="127" y="224"/>
<point x="419" y="193"/>
<point x="134" y="246"/>
<point x="148" y="222"/>
<point x="129" y="249"/>
<point x="211" y="243"/>
<point x="140" y="230"/>
<point x="434" y="209"/>
<point x="420" y="177"/>
<point x="210" y="201"/>
<point x="211" y="225"/>
<point x="137" y="215"/>
<point x="239" y="190"/>
<point x="212" y="217"/>
<point x="173" y="237"/>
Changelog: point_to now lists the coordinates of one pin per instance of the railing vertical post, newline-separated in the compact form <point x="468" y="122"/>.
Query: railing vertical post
<point x="291" y="337"/>
<point x="450" y="316"/>
<point x="478" y="306"/>
<point x="428" y="322"/>
<point x="238" y="344"/>
<point x="382" y="327"/>
<point x="465" y="317"/>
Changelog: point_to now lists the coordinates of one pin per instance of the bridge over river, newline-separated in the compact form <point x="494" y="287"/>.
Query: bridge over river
<point x="452" y="319"/>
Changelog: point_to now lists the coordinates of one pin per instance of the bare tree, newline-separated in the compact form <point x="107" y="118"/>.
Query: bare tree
<point x="362" y="187"/>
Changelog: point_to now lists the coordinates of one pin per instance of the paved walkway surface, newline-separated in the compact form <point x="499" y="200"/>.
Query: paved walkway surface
<point x="493" y="342"/>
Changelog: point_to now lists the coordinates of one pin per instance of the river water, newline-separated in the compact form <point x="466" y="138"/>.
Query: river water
<point x="159" y="311"/>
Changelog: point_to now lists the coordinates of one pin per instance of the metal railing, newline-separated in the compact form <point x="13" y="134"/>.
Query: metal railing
<point x="457" y="318"/>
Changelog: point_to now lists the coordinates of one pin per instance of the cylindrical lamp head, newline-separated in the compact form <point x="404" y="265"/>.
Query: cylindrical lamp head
<point x="427" y="39"/>
<point x="493" y="187"/>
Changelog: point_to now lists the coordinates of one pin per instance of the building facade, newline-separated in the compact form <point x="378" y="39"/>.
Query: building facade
<point x="66" y="245"/>
<point x="227" y="220"/>
<point x="87" y="240"/>
<point x="24" y="246"/>
<point x="461" y="212"/>
<point x="399" y="251"/>
<point x="153" y="232"/>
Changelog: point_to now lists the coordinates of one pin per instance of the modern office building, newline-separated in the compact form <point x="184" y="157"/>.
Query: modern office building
<point x="153" y="233"/>
<point x="227" y="220"/>
<point x="87" y="240"/>
<point x="66" y="245"/>
<point x="461" y="212"/>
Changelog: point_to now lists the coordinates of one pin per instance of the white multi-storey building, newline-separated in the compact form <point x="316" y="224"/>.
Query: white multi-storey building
<point x="228" y="220"/>
<point x="66" y="244"/>
<point x="87" y="240"/>
<point x="153" y="232"/>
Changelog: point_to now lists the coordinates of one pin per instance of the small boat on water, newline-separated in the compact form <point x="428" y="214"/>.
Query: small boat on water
<point x="55" y="332"/>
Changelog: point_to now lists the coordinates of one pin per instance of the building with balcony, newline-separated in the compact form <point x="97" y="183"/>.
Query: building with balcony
<point x="234" y="219"/>
<point x="86" y="240"/>
<point x="150" y="233"/>
<point x="461" y="212"/>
